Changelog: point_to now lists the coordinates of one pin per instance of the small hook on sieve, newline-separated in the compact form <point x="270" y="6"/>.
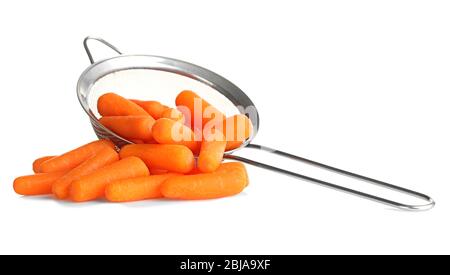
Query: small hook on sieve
<point x="101" y="40"/>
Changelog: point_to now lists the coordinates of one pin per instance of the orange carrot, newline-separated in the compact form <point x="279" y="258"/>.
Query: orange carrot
<point x="153" y="108"/>
<point x="37" y="163"/>
<point x="61" y="187"/>
<point x="135" y="189"/>
<point x="211" y="152"/>
<point x="154" y="171"/>
<point x="72" y="159"/>
<point x="129" y="127"/>
<point x="229" y="179"/>
<point x="140" y="141"/>
<point x="173" y="114"/>
<point x="167" y="131"/>
<point x="243" y="129"/>
<point x="37" y="184"/>
<point x="197" y="110"/>
<point x="137" y="141"/>
<point x="92" y="186"/>
<point x="194" y="171"/>
<point x="150" y="140"/>
<point x="174" y="158"/>
<point x="112" y="104"/>
<point x="237" y="129"/>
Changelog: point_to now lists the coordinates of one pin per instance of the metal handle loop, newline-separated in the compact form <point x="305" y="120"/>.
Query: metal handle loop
<point x="88" y="51"/>
<point x="396" y="188"/>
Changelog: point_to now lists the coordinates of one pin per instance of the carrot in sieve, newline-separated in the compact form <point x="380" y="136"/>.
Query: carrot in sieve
<point x="111" y="104"/>
<point x="211" y="152"/>
<point x="129" y="127"/>
<point x="236" y="129"/>
<point x="173" y="114"/>
<point x="167" y="131"/>
<point x="200" y="111"/>
<point x="153" y="108"/>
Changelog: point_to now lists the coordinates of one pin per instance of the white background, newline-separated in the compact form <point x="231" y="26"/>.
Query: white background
<point x="363" y="85"/>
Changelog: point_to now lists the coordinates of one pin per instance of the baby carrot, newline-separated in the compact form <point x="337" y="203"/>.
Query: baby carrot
<point x="153" y="108"/>
<point x="37" y="163"/>
<point x="154" y="171"/>
<point x="72" y="159"/>
<point x="211" y="152"/>
<point x="167" y="131"/>
<point x="92" y="186"/>
<point x="173" y="114"/>
<point x="137" y="141"/>
<point x="174" y="158"/>
<point x="129" y="127"/>
<point x="37" y="184"/>
<point x="243" y="129"/>
<point x="197" y="110"/>
<point x="135" y="189"/>
<point x="106" y="156"/>
<point x="140" y="141"/>
<point x="112" y="104"/>
<point x="237" y="129"/>
<point x="229" y="179"/>
<point x="150" y="140"/>
<point x="194" y="171"/>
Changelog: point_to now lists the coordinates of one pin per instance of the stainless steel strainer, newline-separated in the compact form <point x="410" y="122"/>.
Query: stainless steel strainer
<point x="98" y="70"/>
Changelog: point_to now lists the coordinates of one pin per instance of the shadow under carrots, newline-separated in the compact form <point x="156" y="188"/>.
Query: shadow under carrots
<point x="64" y="203"/>
<point x="133" y="204"/>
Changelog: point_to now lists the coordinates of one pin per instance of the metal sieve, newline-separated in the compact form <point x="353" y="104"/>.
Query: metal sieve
<point x="100" y="69"/>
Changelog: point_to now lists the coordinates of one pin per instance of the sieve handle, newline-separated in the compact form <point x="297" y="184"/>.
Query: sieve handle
<point x="430" y="202"/>
<point x="101" y="40"/>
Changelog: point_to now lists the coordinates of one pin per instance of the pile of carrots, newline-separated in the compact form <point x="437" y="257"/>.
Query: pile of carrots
<point x="161" y="161"/>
